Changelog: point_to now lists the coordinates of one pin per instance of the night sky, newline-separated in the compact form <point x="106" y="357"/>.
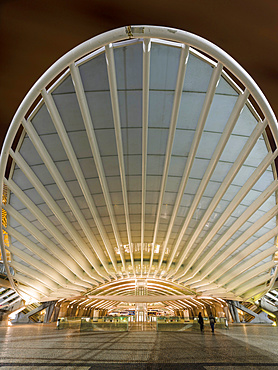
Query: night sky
<point x="35" y="33"/>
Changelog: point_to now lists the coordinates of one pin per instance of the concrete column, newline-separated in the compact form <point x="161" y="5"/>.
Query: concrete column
<point x="233" y="311"/>
<point x="96" y="315"/>
<point x="56" y="312"/>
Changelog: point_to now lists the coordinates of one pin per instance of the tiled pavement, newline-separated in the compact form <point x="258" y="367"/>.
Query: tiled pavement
<point x="44" y="347"/>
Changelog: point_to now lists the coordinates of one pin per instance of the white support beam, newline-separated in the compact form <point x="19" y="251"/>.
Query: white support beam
<point x="65" y="292"/>
<point x="52" y="204"/>
<point x="34" y="274"/>
<point x="24" y="289"/>
<point x="48" y="272"/>
<point x="52" y="247"/>
<point x="141" y="299"/>
<point x="53" y="170"/>
<point x="171" y="136"/>
<point x="240" y="268"/>
<point x="174" y="305"/>
<point x="185" y="304"/>
<point x="145" y="123"/>
<point x="234" y="227"/>
<point x="60" y="128"/>
<point x="204" y="288"/>
<point x="58" y="270"/>
<point x="85" y="112"/>
<point x="92" y="302"/>
<point x="207" y="175"/>
<point x="51" y="228"/>
<point x="114" y="288"/>
<point x="222" y="293"/>
<point x="256" y="292"/>
<point x="246" y="276"/>
<point x="109" y="306"/>
<point x="163" y="287"/>
<point x="258" y="280"/>
<point x="119" y="291"/>
<point x="32" y="283"/>
<point x="234" y="274"/>
<point x="191" y="304"/>
<point x="211" y="262"/>
<point x="104" y="305"/>
<point x="193" y="149"/>
<point x="97" y="303"/>
<point x="236" y="259"/>
<point x="214" y="262"/>
<point x="117" y="125"/>
<point x="256" y="204"/>
<point x="225" y="184"/>
<point x="269" y="158"/>
<point x="196" y="283"/>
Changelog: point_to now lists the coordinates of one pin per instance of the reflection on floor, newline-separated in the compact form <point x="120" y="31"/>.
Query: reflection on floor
<point x="41" y="346"/>
<point x="142" y="326"/>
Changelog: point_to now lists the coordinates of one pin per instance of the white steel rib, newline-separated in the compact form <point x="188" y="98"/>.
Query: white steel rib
<point x="145" y="123"/>
<point x="56" y="119"/>
<point x="193" y="149"/>
<point x="117" y="124"/>
<point x="95" y="151"/>
<point x="210" y="168"/>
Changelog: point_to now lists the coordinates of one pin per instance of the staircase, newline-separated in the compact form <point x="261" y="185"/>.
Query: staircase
<point x="251" y="313"/>
<point x="31" y="312"/>
<point x="248" y="317"/>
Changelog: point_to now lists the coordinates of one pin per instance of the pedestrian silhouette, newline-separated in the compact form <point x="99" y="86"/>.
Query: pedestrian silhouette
<point x="212" y="322"/>
<point x="201" y="322"/>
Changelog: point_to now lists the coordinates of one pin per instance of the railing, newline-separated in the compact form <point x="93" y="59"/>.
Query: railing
<point x="69" y="323"/>
<point x="121" y="323"/>
<point x="176" y="323"/>
<point x="106" y="323"/>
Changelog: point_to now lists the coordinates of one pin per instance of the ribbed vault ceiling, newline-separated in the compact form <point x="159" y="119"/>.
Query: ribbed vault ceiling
<point x="144" y="158"/>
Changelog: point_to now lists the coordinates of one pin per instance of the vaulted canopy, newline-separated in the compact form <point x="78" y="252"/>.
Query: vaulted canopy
<point x="144" y="153"/>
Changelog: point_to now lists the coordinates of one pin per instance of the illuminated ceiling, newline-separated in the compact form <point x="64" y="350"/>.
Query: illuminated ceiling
<point x="146" y="153"/>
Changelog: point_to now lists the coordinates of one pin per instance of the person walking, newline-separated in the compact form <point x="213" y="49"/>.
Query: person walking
<point x="212" y="322"/>
<point x="201" y="322"/>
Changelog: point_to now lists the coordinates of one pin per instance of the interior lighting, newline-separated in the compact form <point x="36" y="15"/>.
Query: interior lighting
<point x="220" y="299"/>
<point x="59" y="301"/>
<point x="203" y="297"/>
<point x="156" y="248"/>
<point x="28" y="300"/>
<point x="12" y="315"/>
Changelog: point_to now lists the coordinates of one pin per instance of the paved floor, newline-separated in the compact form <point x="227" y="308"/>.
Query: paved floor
<point x="44" y="347"/>
<point x="142" y="326"/>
